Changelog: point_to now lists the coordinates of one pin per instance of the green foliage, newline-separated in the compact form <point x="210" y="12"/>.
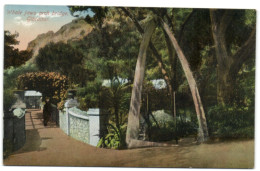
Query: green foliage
<point x="63" y="58"/>
<point x="12" y="56"/>
<point x="236" y="120"/>
<point x="9" y="99"/>
<point x="60" y="105"/>
<point x="111" y="50"/>
<point x="10" y="82"/>
<point x="12" y="73"/>
<point x="118" y="95"/>
<point x="245" y="88"/>
<point x="115" y="100"/>
<point x="93" y="15"/>
<point x="186" y="128"/>
<point x="239" y="30"/>
<point x="163" y="127"/>
<point x="194" y="37"/>
<point x="50" y="84"/>
<point x="115" y="138"/>
<point x="88" y="96"/>
<point x="95" y="95"/>
<point x="250" y="17"/>
<point x="156" y="99"/>
<point x="231" y="122"/>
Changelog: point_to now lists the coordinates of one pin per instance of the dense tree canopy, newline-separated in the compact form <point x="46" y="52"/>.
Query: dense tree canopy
<point x="66" y="60"/>
<point x="12" y="56"/>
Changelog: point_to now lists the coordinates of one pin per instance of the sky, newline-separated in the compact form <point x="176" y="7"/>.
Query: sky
<point x="32" y="20"/>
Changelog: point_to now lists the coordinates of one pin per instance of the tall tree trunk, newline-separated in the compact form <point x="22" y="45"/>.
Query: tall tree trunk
<point x="203" y="130"/>
<point x="228" y="65"/>
<point x="225" y="86"/>
<point x="134" y="112"/>
<point x="222" y="57"/>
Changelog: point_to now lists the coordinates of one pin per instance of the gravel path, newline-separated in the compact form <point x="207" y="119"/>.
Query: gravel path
<point x="49" y="146"/>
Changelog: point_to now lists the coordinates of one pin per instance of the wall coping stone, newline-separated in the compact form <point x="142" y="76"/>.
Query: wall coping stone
<point x="78" y="113"/>
<point x="71" y="103"/>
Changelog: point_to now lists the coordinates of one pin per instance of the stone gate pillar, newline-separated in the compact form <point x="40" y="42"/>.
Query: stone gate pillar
<point x="94" y="125"/>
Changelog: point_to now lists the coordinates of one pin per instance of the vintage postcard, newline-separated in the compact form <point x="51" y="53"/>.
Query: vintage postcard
<point x="106" y="86"/>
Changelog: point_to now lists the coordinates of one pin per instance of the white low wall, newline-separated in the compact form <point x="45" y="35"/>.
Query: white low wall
<point x="81" y="125"/>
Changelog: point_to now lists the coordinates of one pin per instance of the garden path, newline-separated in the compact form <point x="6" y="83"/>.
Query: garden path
<point x="49" y="146"/>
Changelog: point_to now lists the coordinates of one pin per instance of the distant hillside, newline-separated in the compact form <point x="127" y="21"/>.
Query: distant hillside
<point x="75" y="30"/>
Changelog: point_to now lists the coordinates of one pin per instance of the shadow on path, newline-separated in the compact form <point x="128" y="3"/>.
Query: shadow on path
<point x="34" y="123"/>
<point x="33" y="142"/>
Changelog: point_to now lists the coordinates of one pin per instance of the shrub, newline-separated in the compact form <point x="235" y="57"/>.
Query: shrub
<point x="163" y="127"/>
<point x="115" y="138"/>
<point x="9" y="99"/>
<point x="11" y="74"/>
<point x="115" y="100"/>
<point x="186" y="128"/>
<point x="50" y="84"/>
<point x="231" y="122"/>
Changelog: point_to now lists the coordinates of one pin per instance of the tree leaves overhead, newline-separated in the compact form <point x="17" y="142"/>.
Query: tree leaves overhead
<point x="92" y="14"/>
<point x="65" y="59"/>
<point x="12" y="56"/>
